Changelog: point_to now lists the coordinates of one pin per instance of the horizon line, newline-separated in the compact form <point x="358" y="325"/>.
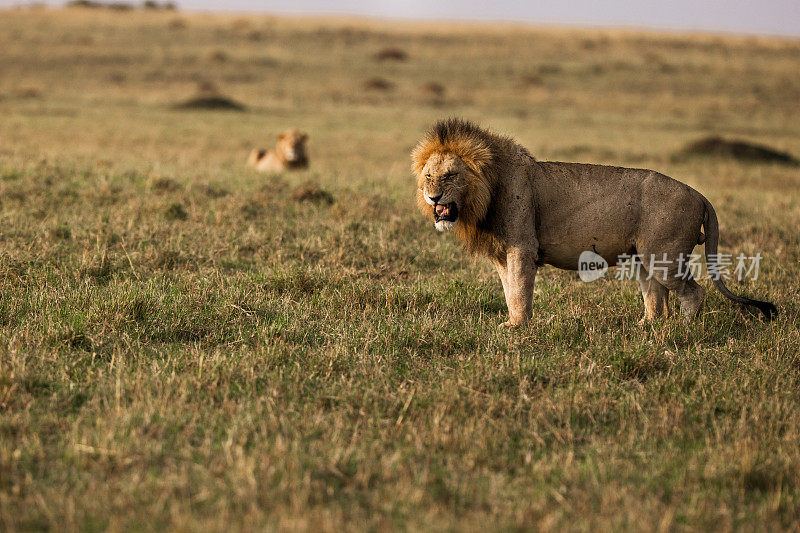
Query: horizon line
<point x="474" y="20"/>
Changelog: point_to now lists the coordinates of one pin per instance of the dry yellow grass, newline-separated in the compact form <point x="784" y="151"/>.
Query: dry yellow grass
<point x="188" y="345"/>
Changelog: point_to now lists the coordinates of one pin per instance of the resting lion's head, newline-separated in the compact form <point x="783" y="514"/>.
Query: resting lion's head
<point x="291" y="146"/>
<point x="455" y="175"/>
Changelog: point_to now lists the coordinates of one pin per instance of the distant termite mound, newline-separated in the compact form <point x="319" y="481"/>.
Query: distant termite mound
<point x="739" y="150"/>
<point x="210" y="101"/>
<point x="391" y="54"/>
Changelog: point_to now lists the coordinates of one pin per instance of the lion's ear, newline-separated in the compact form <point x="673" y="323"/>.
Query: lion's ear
<point x="303" y="137"/>
<point x="281" y="136"/>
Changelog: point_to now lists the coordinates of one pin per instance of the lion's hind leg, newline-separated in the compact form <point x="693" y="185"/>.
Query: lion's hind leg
<point x="691" y="295"/>
<point x="668" y="232"/>
<point x="665" y="272"/>
<point x="655" y="295"/>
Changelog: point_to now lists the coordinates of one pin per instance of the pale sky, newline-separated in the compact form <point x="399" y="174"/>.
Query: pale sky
<point x="771" y="17"/>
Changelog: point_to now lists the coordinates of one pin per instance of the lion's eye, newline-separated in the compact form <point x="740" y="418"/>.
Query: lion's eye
<point x="450" y="175"/>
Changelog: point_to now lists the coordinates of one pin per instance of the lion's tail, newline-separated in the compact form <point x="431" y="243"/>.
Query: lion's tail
<point x="711" y="226"/>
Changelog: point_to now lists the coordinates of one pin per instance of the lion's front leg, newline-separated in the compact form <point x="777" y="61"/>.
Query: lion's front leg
<point x="520" y="274"/>
<point x="502" y="271"/>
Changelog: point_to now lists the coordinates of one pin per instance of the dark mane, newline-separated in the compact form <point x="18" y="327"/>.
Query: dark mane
<point x="454" y="128"/>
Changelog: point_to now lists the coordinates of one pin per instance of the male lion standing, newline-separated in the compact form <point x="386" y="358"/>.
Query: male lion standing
<point x="524" y="213"/>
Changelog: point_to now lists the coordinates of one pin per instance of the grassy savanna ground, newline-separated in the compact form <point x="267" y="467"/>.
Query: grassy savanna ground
<point x="185" y="344"/>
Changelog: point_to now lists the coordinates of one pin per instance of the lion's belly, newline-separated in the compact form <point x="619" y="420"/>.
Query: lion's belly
<point x="566" y="255"/>
<point x="603" y="228"/>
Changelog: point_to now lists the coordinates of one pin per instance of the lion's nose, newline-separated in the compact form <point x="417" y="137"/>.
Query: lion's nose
<point x="434" y="199"/>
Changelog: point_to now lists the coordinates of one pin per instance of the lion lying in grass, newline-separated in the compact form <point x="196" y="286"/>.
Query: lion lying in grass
<point x="524" y="213"/>
<point x="288" y="154"/>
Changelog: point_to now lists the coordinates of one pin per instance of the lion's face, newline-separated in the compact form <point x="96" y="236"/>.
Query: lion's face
<point x="443" y="185"/>
<point x="292" y="145"/>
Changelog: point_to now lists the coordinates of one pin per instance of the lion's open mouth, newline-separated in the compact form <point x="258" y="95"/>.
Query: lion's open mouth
<point x="446" y="212"/>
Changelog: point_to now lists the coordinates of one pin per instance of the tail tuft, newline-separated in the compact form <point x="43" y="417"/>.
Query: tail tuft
<point x="768" y="309"/>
